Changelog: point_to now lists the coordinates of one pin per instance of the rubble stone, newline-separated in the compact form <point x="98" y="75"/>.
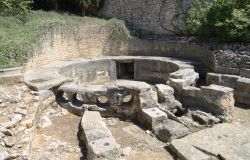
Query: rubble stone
<point x="169" y="130"/>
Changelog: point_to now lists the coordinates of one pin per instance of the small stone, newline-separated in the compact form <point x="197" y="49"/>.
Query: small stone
<point x="9" y="141"/>
<point x="205" y="118"/>
<point x="20" y="111"/>
<point x="1" y="135"/>
<point x="45" y="122"/>
<point x="13" y="155"/>
<point x="3" y="154"/>
<point x="28" y="123"/>
<point x="34" y="92"/>
<point x="148" y="132"/>
<point x="36" y="98"/>
<point x="5" y="131"/>
<point x="126" y="151"/>
<point x="16" y="118"/>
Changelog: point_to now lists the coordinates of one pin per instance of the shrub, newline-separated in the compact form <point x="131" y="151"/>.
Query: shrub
<point x="18" y="39"/>
<point x="14" y="7"/>
<point x="221" y="20"/>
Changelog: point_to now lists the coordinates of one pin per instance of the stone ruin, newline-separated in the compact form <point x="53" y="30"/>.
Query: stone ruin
<point x="159" y="93"/>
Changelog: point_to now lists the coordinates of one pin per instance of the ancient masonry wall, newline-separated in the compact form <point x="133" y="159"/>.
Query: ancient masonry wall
<point x="97" y="40"/>
<point x="153" y="16"/>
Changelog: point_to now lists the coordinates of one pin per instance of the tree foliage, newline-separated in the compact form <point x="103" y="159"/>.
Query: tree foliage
<point x="14" y="7"/>
<point x="88" y="7"/>
<point x="222" y="20"/>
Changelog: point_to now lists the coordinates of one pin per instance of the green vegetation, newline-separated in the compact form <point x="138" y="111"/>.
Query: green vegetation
<point x="220" y="20"/>
<point x="18" y="39"/>
<point x="18" y="8"/>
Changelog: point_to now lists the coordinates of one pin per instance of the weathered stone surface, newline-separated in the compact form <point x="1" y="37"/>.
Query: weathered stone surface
<point x="3" y="154"/>
<point x="244" y="72"/>
<point x="183" y="78"/>
<point x="5" y="131"/>
<point x="204" y="118"/>
<point x="150" y="16"/>
<point x="188" y="152"/>
<point x="150" y="117"/>
<point x="169" y="130"/>
<point x="103" y="69"/>
<point x="142" y="96"/>
<point x="214" y="99"/>
<point x="225" y="140"/>
<point x="93" y="126"/>
<point x="241" y="85"/>
<point x="9" y="141"/>
<point x="99" y="141"/>
<point x="103" y="149"/>
<point x="242" y="90"/>
<point x="166" y="98"/>
<point x="222" y="79"/>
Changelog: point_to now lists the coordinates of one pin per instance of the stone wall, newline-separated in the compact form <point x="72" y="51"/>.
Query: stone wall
<point x="154" y="16"/>
<point x="240" y="85"/>
<point x="99" y="40"/>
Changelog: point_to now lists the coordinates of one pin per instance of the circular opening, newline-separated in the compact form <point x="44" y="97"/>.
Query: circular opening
<point x="127" y="99"/>
<point x="106" y="144"/>
<point x="153" y="109"/>
<point x="103" y="99"/>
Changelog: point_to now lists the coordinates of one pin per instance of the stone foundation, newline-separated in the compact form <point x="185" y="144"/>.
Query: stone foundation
<point x="241" y="85"/>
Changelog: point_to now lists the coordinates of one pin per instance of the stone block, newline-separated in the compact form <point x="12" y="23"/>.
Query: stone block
<point x="183" y="78"/>
<point x="169" y="130"/>
<point x="103" y="149"/>
<point x="242" y="91"/>
<point x="227" y="140"/>
<point x="99" y="141"/>
<point x="245" y="72"/>
<point x="222" y="79"/>
<point x="93" y="126"/>
<point x="164" y="91"/>
<point x="188" y="152"/>
<point x="166" y="97"/>
<point x="151" y="116"/>
<point x="215" y="99"/>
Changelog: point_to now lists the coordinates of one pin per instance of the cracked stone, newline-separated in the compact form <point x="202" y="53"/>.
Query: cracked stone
<point x="6" y="131"/>
<point x="9" y="141"/>
<point x="20" y="111"/>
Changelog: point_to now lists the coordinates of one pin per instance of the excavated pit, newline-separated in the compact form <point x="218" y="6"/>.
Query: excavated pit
<point x="156" y="93"/>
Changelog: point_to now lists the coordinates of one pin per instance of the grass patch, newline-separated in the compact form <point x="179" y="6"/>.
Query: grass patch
<point x="18" y="39"/>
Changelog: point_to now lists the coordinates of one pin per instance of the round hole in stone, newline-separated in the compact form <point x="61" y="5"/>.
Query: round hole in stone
<point x="127" y="99"/>
<point x="93" y="142"/>
<point x="153" y="110"/>
<point x="103" y="99"/>
<point x="106" y="144"/>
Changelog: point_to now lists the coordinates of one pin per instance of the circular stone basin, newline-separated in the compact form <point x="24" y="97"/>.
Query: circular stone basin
<point x="100" y="70"/>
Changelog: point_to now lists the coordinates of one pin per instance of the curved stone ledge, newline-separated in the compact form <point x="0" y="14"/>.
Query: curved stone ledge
<point x="105" y="69"/>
